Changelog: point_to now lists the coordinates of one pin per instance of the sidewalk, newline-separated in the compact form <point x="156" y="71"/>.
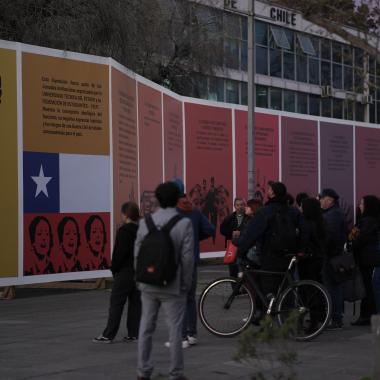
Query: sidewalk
<point x="49" y="337"/>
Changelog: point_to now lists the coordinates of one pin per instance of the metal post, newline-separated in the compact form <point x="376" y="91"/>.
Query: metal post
<point x="251" y="99"/>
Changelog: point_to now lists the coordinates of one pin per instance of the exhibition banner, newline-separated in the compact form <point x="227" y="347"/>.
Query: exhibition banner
<point x="8" y="164"/>
<point x="209" y="165"/>
<point x="299" y="155"/>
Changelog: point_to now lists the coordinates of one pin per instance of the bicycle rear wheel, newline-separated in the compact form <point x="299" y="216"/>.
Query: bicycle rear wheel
<point x="306" y="307"/>
<point x="226" y="307"/>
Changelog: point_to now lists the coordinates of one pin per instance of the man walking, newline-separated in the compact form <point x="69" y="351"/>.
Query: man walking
<point x="336" y="230"/>
<point x="171" y="297"/>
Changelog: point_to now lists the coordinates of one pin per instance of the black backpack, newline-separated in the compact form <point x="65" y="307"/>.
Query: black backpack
<point x="157" y="262"/>
<point x="283" y="233"/>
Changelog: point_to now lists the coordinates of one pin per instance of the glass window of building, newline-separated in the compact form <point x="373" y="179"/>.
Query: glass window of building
<point x="372" y="86"/>
<point x="306" y="44"/>
<point x="231" y="53"/>
<point x="244" y="93"/>
<point x="326" y="107"/>
<point x="316" y="44"/>
<point x="372" y="113"/>
<point x="326" y="49"/>
<point x="244" y="28"/>
<point x="378" y="112"/>
<point x="338" y="108"/>
<point x="279" y="37"/>
<point x="337" y="52"/>
<point x="261" y="35"/>
<point x="349" y="109"/>
<point x="348" y="78"/>
<point x="290" y="37"/>
<point x="359" y="80"/>
<point x="325" y="73"/>
<point x="261" y="60"/>
<point x="275" y="63"/>
<point x="276" y="98"/>
<point x="348" y="55"/>
<point x="301" y="68"/>
<point x="244" y="55"/>
<point x="359" y="57"/>
<point x="261" y="96"/>
<point x="289" y="101"/>
<point x="372" y="65"/>
<point x="231" y="25"/>
<point x="359" y="112"/>
<point x="302" y="102"/>
<point x="200" y="86"/>
<point x="378" y="88"/>
<point x="314" y="71"/>
<point x="314" y="105"/>
<point x="232" y="91"/>
<point x="216" y="89"/>
<point x="337" y="76"/>
<point x="289" y="65"/>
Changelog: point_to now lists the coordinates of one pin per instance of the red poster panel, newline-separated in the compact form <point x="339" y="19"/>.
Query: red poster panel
<point x="300" y="155"/>
<point x="367" y="162"/>
<point x="337" y="164"/>
<point x="61" y="243"/>
<point x="266" y="152"/>
<point x="209" y="165"/>
<point x="124" y="138"/>
<point x="173" y="138"/>
<point x="150" y="145"/>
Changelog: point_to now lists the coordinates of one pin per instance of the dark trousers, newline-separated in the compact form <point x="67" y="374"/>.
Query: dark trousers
<point x="367" y="305"/>
<point x="123" y="289"/>
<point x="233" y="269"/>
<point x="311" y="269"/>
<point x="190" y="318"/>
<point x="336" y="293"/>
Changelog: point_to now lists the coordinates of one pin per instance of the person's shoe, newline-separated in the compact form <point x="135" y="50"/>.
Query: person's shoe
<point x="185" y="344"/>
<point x="192" y="340"/>
<point x="334" y="325"/>
<point x="128" y="339"/>
<point x="361" y="322"/>
<point x="102" y="339"/>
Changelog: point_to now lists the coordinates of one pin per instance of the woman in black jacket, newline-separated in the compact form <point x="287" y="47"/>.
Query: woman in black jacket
<point x="124" y="286"/>
<point x="365" y="239"/>
<point x="312" y="240"/>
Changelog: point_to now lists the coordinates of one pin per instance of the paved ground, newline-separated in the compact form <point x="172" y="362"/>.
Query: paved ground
<point x="47" y="335"/>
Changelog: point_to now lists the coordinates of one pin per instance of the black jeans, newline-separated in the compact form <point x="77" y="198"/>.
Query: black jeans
<point x="367" y="305"/>
<point x="123" y="289"/>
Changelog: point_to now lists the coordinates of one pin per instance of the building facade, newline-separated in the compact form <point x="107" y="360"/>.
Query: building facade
<point x="300" y="67"/>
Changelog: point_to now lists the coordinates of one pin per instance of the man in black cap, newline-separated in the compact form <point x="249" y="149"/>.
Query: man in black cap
<point x="273" y="241"/>
<point x="336" y="231"/>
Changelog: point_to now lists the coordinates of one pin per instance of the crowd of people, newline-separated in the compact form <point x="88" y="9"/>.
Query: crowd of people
<point x="262" y="233"/>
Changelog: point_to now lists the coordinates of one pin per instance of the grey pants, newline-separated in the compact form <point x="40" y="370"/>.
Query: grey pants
<point x="174" y="307"/>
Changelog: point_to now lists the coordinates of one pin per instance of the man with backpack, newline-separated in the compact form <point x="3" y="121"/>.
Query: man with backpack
<point x="274" y="230"/>
<point x="164" y="267"/>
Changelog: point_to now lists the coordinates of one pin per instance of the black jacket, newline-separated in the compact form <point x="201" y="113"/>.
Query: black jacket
<point x="336" y="230"/>
<point x="257" y="232"/>
<point x="366" y="245"/>
<point x="230" y="224"/>
<point x="311" y="242"/>
<point x="122" y="256"/>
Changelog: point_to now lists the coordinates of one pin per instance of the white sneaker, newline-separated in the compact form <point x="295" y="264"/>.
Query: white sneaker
<point x="185" y="344"/>
<point x="192" y="340"/>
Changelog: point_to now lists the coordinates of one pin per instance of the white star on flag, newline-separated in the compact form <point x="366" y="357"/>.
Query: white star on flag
<point x="41" y="182"/>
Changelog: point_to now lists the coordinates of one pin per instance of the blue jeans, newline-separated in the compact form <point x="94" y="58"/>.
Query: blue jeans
<point x="376" y="288"/>
<point x="190" y="318"/>
<point x="336" y="294"/>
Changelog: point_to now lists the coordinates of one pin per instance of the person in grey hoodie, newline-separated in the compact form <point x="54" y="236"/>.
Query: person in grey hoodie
<point x="171" y="297"/>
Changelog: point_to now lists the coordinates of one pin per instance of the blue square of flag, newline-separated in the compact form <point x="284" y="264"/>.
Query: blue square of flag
<point x="41" y="182"/>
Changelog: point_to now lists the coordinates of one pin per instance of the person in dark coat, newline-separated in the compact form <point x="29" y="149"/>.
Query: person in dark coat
<point x="232" y="226"/>
<point x="365" y="241"/>
<point x="202" y="229"/>
<point x="258" y="232"/>
<point x="336" y="236"/>
<point x="124" y="287"/>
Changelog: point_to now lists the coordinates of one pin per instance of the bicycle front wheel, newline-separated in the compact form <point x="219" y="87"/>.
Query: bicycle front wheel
<point x="226" y="307"/>
<point x="306" y="307"/>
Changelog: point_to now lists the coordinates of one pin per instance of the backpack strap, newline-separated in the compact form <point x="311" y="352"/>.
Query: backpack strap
<point x="171" y="223"/>
<point x="150" y="224"/>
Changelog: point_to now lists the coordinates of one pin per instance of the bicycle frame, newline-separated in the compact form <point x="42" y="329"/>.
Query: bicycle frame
<point x="249" y="281"/>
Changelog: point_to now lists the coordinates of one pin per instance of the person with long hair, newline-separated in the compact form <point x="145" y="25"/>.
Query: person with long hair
<point x="124" y="287"/>
<point x="365" y="239"/>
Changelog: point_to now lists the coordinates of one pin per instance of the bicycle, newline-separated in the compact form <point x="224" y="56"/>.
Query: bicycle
<point x="227" y="305"/>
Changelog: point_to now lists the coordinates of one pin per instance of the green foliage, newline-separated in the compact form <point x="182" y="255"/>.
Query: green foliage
<point x="269" y="350"/>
